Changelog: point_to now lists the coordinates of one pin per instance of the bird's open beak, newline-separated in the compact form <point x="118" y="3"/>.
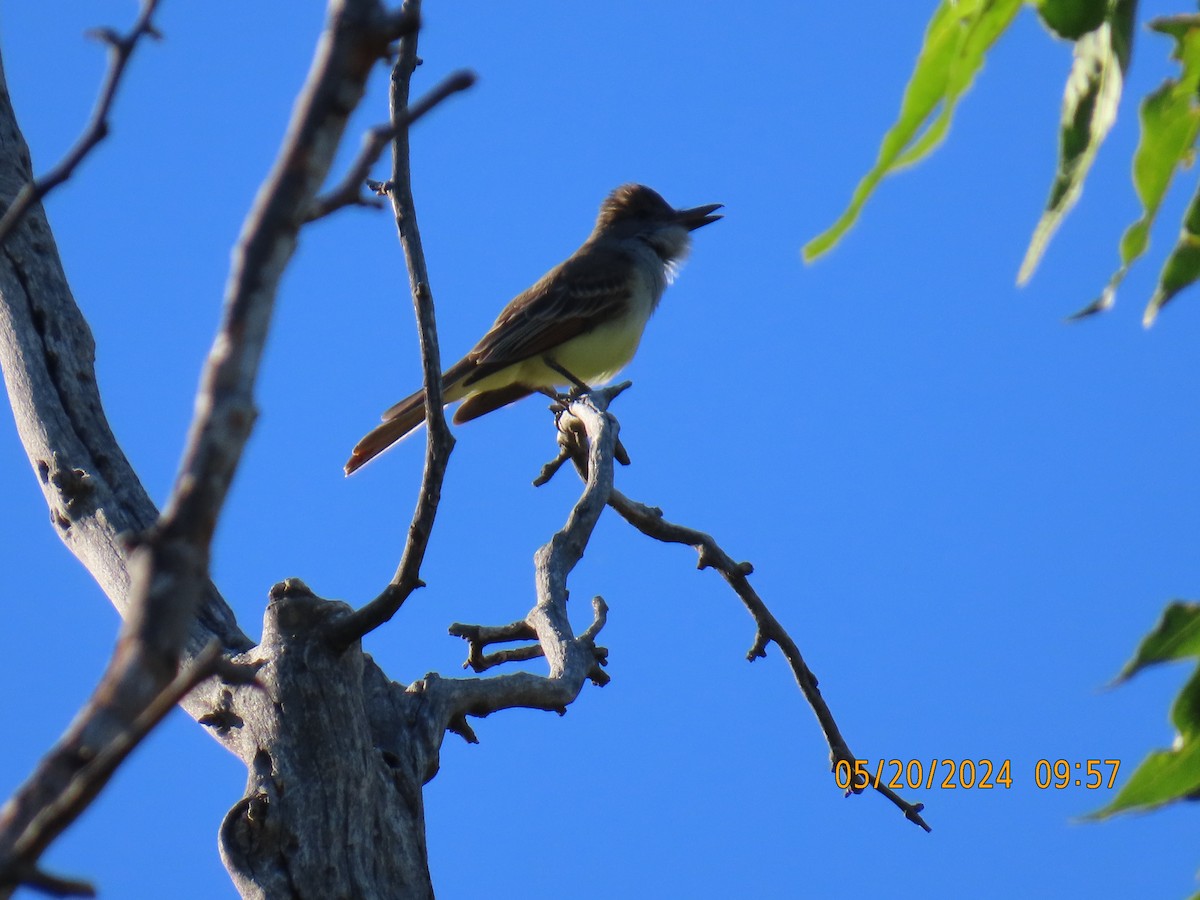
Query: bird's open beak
<point x="697" y="216"/>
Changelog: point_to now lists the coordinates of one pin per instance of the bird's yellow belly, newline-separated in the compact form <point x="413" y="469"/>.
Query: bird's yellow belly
<point x="594" y="358"/>
<point x="597" y="356"/>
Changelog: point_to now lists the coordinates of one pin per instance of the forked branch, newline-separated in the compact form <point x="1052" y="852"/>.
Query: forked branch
<point x="348" y="192"/>
<point x="480" y="637"/>
<point x="650" y="521"/>
<point x="572" y="660"/>
<point x="120" y="49"/>
<point x="439" y="441"/>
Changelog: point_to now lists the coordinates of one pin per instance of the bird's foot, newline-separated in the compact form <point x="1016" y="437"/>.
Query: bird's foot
<point x="580" y="387"/>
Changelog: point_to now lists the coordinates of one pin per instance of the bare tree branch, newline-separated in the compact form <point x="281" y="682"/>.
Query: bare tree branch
<point x="478" y="637"/>
<point x="572" y="660"/>
<point x="120" y="49"/>
<point x="85" y="777"/>
<point x="225" y="407"/>
<point x="439" y="441"/>
<point x="649" y="520"/>
<point x="55" y="885"/>
<point x="348" y="192"/>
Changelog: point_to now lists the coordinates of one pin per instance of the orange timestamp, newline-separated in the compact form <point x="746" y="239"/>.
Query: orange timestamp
<point x="968" y="774"/>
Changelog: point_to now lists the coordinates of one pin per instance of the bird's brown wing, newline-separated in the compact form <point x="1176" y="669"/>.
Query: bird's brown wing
<point x="481" y="404"/>
<point x="568" y="301"/>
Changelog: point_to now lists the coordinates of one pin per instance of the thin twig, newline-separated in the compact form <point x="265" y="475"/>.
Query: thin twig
<point x="56" y="885"/>
<point x="439" y="441"/>
<point x="649" y="520"/>
<point x="120" y="49"/>
<point x="478" y="637"/>
<point x="348" y="191"/>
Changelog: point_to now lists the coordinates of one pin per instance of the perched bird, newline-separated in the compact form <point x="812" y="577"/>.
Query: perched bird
<point x="579" y="325"/>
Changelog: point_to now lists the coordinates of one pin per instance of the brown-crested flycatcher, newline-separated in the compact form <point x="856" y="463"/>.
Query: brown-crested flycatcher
<point x="580" y="324"/>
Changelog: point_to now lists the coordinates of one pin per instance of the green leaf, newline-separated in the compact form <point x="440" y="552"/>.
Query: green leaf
<point x="1089" y="111"/>
<point x="1185" y="711"/>
<point x="1072" y="19"/>
<point x="958" y="37"/>
<point x="1176" y="636"/>
<point x="1170" y="122"/>
<point x="1167" y="776"/>
<point x="1182" y="266"/>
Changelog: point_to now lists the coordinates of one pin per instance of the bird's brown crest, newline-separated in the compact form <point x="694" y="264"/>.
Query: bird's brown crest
<point x="631" y="201"/>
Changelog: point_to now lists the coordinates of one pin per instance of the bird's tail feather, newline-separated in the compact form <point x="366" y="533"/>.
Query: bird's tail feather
<point x="405" y="417"/>
<point x="401" y="419"/>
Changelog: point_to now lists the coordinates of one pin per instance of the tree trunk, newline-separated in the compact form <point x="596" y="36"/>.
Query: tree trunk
<point x="333" y="805"/>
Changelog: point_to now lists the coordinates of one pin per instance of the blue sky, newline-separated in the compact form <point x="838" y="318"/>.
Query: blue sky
<point x="966" y="511"/>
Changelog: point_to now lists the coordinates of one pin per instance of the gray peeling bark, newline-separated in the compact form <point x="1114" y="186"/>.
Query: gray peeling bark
<point x="333" y="804"/>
